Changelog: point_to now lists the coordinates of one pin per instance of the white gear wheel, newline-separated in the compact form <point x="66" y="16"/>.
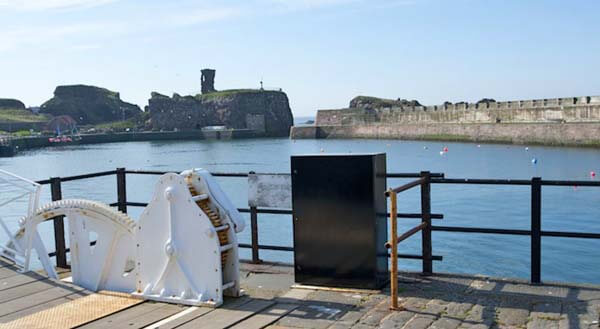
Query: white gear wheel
<point x="107" y="264"/>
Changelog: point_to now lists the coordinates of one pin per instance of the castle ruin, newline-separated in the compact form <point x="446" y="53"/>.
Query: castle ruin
<point x="208" y="80"/>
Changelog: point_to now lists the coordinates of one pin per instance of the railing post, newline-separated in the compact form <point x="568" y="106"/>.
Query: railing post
<point x="394" y="249"/>
<point x="59" y="226"/>
<point x="536" y="228"/>
<point x="121" y="190"/>
<point x="426" y="218"/>
<point x="254" y="234"/>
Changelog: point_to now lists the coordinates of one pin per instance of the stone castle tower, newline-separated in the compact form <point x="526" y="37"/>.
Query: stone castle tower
<point x="208" y="81"/>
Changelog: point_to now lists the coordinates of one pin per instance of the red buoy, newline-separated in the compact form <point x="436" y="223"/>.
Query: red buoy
<point x="592" y="174"/>
<point x="445" y="148"/>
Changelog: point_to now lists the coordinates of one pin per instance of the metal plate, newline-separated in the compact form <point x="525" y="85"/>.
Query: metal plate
<point x="270" y="191"/>
<point x="339" y="220"/>
<point x="77" y="312"/>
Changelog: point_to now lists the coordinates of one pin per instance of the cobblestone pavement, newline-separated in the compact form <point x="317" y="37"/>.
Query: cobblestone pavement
<point x="443" y="301"/>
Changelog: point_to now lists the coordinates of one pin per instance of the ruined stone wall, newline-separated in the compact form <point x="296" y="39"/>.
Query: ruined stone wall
<point x="267" y="111"/>
<point x="574" y="109"/>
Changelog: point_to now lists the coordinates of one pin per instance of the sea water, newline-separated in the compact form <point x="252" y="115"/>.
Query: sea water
<point x="571" y="208"/>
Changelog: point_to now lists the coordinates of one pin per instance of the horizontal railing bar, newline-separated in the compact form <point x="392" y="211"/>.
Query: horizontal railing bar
<point x="417" y="215"/>
<point x="134" y="204"/>
<point x="285" y="248"/>
<point x="286" y="211"/>
<point x="268" y="211"/>
<point x="410" y="256"/>
<point x="582" y="235"/>
<point x="156" y="172"/>
<point x="266" y="247"/>
<point x="569" y="183"/>
<point x="405" y="186"/>
<point x="407" y="234"/>
<point x="148" y="172"/>
<point x="480" y="181"/>
<point x="479" y="230"/>
<point x="437" y="178"/>
<point x="512" y="182"/>
<point x="98" y="174"/>
<point x="84" y="176"/>
<point x="243" y="210"/>
<point x="53" y="254"/>
<point x="412" y="175"/>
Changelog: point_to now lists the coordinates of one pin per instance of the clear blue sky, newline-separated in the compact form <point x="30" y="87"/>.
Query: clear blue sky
<point x="321" y="52"/>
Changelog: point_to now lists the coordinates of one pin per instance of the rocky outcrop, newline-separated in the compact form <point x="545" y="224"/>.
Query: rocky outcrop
<point x="371" y="103"/>
<point x="486" y="101"/>
<point x="89" y="104"/>
<point x="11" y="104"/>
<point x="266" y="112"/>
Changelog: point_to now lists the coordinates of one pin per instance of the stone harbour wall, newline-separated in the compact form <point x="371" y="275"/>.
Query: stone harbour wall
<point x="573" y="109"/>
<point x="558" y="134"/>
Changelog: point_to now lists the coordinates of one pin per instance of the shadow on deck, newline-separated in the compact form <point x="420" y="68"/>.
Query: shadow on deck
<point x="441" y="301"/>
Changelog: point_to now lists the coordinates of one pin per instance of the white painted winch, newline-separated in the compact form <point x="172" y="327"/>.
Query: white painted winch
<point x="183" y="249"/>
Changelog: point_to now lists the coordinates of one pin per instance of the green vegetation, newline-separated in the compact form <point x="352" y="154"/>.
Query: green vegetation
<point x="118" y="125"/>
<point x="446" y="137"/>
<point x="225" y="93"/>
<point x="22" y="133"/>
<point x="135" y="123"/>
<point x="18" y="115"/>
<point x="375" y="102"/>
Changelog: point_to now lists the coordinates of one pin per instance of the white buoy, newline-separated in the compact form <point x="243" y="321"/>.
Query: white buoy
<point x="442" y="153"/>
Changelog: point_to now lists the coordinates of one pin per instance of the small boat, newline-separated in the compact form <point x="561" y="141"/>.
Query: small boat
<point x="60" y="139"/>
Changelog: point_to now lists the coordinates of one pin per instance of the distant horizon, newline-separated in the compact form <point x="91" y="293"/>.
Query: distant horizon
<point x="322" y="53"/>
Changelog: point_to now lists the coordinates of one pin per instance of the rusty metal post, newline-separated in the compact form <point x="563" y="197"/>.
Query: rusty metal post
<point x="536" y="228"/>
<point x="59" y="226"/>
<point x="394" y="250"/>
<point x="121" y="190"/>
<point x="254" y="234"/>
<point x="426" y="218"/>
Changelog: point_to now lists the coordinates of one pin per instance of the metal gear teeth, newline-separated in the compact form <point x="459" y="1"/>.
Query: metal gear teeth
<point x="87" y="205"/>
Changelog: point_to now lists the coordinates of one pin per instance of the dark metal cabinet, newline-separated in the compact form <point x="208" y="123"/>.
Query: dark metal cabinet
<point x="340" y="221"/>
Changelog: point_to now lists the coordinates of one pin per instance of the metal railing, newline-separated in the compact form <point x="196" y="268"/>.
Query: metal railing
<point x="122" y="204"/>
<point x="424" y="180"/>
<point x="426" y="227"/>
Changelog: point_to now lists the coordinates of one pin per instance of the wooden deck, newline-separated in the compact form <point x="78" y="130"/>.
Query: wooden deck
<point x="23" y="294"/>
<point x="440" y="301"/>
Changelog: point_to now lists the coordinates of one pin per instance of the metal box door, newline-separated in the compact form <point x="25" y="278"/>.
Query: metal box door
<point x="340" y="226"/>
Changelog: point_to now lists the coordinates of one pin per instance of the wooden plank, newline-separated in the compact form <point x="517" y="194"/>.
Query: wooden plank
<point x="8" y="271"/>
<point x="138" y="316"/>
<point x="124" y="315"/>
<point x="26" y="290"/>
<point x="76" y="312"/>
<point x="18" y="280"/>
<point x="34" y="309"/>
<point x="184" y="316"/>
<point x="35" y="299"/>
<point x="266" y="317"/>
<point x="164" y="312"/>
<point x="192" y="313"/>
<point x="224" y="317"/>
<point x="5" y="262"/>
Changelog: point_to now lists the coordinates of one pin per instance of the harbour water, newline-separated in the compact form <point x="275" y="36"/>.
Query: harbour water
<point x="563" y="208"/>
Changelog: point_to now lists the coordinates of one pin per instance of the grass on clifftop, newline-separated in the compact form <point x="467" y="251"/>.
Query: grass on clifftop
<point x="18" y="115"/>
<point x="229" y="92"/>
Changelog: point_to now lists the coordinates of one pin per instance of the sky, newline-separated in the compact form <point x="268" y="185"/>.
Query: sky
<point x="322" y="53"/>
